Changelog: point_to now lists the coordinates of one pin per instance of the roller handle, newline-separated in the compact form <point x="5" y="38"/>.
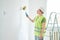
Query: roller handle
<point x="26" y="14"/>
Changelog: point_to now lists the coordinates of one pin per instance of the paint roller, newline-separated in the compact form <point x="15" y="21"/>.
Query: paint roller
<point x="24" y="8"/>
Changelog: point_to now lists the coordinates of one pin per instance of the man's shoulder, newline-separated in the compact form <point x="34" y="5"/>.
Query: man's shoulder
<point x="44" y="17"/>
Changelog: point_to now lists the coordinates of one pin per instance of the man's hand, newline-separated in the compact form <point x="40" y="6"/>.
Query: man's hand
<point x="41" y="35"/>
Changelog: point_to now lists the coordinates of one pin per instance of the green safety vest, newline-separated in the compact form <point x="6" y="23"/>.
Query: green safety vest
<point x="38" y="20"/>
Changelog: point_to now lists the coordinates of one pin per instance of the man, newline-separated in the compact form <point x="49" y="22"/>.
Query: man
<point x="40" y="22"/>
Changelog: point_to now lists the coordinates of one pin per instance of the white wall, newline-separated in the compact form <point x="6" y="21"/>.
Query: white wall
<point x="23" y="32"/>
<point x="9" y="19"/>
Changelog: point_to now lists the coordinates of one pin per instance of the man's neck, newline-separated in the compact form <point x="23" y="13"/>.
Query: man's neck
<point x="40" y="15"/>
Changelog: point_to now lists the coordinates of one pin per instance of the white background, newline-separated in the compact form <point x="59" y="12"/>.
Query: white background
<point x="13" y="23"/>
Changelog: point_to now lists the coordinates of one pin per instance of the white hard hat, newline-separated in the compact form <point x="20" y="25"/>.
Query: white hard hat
<point x="41" y="8"/>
